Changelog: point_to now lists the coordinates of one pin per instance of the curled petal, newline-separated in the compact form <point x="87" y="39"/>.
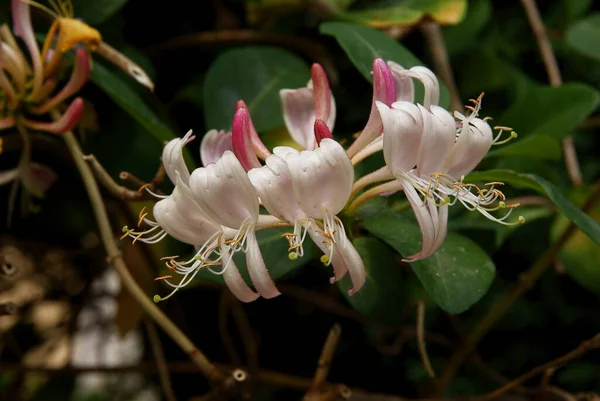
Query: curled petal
<point x="235" y="282"/>
<point x="241" y="140"/>
<point x="7" y="176"/>
<point x="473" y="143"/>
<point x="405" y="88"/>
<point x="22" y="28"/>
<point x="79" y="76"/>
<point x="322" y="179"/>
<point x="9" y="91"/>
<point x="213" y="145"/>
<point x="262" y="281"/>
<point x="67" y="121"/>
<point x="402" y="136"/>
<point x="224" y="192"/>
<point x="259" y="147"/>
<point x="384" y="90"/>
<point x="427" y="78"/>
<point x="16" y="66"/>
<point x="439" y="134"/>
<point x="172" y="158"/>
<point x="7" y="122"/>
<point x="274" y="186"/>
<point x="322" y="131"/>
<point x="299" y="115"/>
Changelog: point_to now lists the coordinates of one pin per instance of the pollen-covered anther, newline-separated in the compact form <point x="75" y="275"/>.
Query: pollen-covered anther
<point x="497" y="140"/>
<point x="162" y="278"/>
<point x="142" y="216"/>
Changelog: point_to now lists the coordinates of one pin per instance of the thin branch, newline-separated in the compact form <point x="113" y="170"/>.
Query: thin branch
<point x="232" y="386"/>
<point x="526" y="281"/>
<point x="116" y="259"/>
<point x="224" y="307"/>
<point x="421" y="339"/>
<point x="326" y="357"/>
<point x="161" y="362"/>
<point x="539" y="30"/>
<point x="586" y="346"/>
<point x="116" y="190"/>
<point x="246" y="332"/>
<point x="439" y="53"/>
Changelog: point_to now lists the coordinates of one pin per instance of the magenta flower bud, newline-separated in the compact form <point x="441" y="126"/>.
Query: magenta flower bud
<point x="322" y="131"/>
<point x="259" y="147"/>
<point x="241" y="138"/>
<point x="68" y="120"/>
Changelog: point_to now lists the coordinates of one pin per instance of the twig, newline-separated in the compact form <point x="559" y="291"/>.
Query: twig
<point x="246" y="333"/>
<point x="152" y="185"/>
<point x="116" y="259"/>
<point x="326" y="357"/>
<point x="224" y="306"/>
<point x="539" y="30"/>
<point x="526" y="280"/>
<point x="435" y="40"/>
<point x="586" y="346"/>
<point x="230" y="387"/>
<point x="421" y="339"/>
<point x="310" y="49"/>
<point x="116" y="190"/>
<point x="161" y="362"/>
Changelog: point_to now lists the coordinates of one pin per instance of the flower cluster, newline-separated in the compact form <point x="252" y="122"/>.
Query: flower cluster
<point x="217" y="208"/>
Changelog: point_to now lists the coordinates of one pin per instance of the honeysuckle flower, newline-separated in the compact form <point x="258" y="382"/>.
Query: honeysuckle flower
<point x="321" y="182"/>
<point x="303" y="106"/>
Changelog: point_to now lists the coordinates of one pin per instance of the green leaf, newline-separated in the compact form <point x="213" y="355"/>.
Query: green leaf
<point x="536" y="145"/>
<point x="555" y="112"/>
<point x="547" y="189"/>
<point x="130" y="101"/>
<point x="584" y="36"/>
<point x="274" y="250"/>
<point x="410" y="12"/>
<point x="97" y="11"/>
<point x="455" y="277"/>
<point x="363" y="44"/>
<point x="254" y="74"/>
<point x="467" y="32"/>
<point x="381" y="297"/>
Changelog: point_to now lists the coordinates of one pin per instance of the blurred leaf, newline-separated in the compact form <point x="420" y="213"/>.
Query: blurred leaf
<point x="552" y="111"/>
<point x="547" y="189"/>
<point x="254" y="74"/>
<point x="363" y="44"/>
<point x="381" y="297"/>
<point x="97" y="11"/>
<point x="274" y="250"/>
<point x="539" y="146"/>
<point x="584" y="36"/>
<point x="410" y="12"/>
<point x="130" y="101"/>
<point x="466" y="33"/>
<point x="580" y="255"/>
<point x="455" y="277"/>
<point x="260" y="10"/>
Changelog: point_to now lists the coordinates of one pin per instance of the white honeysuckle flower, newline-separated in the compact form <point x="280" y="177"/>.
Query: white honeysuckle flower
<point x="303" y="106"/>
<point x="433" y="180"/>
<point x="321" y="181"/>
<point x="423" y="74"/>
<point x="225" y="193"/>
<point x="172" y="158"/>
<point x="213" y="145"/>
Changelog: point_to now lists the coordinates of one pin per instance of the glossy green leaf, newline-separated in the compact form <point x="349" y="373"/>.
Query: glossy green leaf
<point x="555" y="112"/>
<point x="410" y="12"/>
<point x="254" y="74"/>
<point x="381" y="297"/>
<point x="467" y="32"/>
<point x="274" y="250"/>
<point x="97" y="11"/>
<point x="455" y="277"/>
<point x="584" y="36"/>
<point x="130" y="101"/>
<point x="538" y="146"/>
<point x="363" y="44"/>
<point x="547" y="189"/>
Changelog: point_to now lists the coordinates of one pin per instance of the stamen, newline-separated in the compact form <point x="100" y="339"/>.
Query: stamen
<point x="162" y="278"/>
<point x="501" y="129"/>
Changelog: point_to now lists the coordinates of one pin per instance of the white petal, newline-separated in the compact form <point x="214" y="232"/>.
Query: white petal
<point x="257" y="270"/>
<point x="274" y="186"/>
<point x="405" y="88"/>
<point x="235" y="282"/>
<point x="172" y="158"/>
<point x="213" y="145"/>
<point x="402" y="135"/>
<point x="322" y="179"/>
<point x="224" y="192"/>
<point x="339" y="267"/>
<point x="471" y="146"/>
<point x="299" y="115"/>
<point x="424" y="219"/>
<point x="7" y="176"/>
<point x="439" y="133"/>
<point x="430" y="82"/>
